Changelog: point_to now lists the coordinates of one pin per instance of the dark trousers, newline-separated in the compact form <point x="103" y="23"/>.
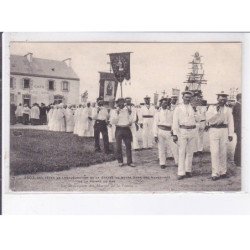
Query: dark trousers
<point x="25" y="119"/>
<point x="237" y="153"/>
<point x="101" y="127"/>
<point x="123" y="134"/>
<point x="19" y="119"/>
<point x="43" y="119"/>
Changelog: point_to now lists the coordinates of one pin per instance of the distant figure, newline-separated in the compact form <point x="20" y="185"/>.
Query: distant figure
<point x="34" y="114"/>
<point x="43" y="114"/>
<point x="89" y="130"/>
<point x="19" y="113"/>
<point x="26" y="114"/>
<point x="49" y="118"/>
<point x="237" y="130"/>
<point x="82" y="121"/>
<point x="12" y="114"/>
<point x="69" y="119"/>
<point x="61" y="118"/>
<point x="76" y="119"/>
<point x="146" y="119"/>
<point x="53" y="119"/>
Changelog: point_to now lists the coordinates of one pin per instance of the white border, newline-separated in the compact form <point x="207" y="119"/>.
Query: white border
<point x="170" y="203"/>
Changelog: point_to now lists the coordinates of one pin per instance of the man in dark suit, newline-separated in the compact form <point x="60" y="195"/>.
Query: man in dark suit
<point x="237" y="129"/>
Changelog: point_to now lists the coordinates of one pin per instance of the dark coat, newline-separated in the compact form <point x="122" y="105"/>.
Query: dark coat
<point x="237" y="118"/>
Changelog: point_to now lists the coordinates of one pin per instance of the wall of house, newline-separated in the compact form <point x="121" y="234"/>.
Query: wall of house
<point x="39" y="90"/>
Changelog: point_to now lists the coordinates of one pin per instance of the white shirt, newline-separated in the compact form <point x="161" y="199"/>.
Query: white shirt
<point x="35" y="112"/>
<point x="26" y="110"/>
<point x="123" y="119"/>
<point x="101" y="115"/>
<point x="19" y="111"/>
<point x="162" y="117"/>
<point x="183" y="115"/>
<point x="145" y="111"/>
<point x="223" y="116"/>
<point x="201" y="112"/>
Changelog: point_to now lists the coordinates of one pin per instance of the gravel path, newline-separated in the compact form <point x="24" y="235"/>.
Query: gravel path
<point x="146" y="177"/>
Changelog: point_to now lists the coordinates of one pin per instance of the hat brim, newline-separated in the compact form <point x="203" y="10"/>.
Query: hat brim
<point x="224" y="95"/>
<point x="187" y="92"/>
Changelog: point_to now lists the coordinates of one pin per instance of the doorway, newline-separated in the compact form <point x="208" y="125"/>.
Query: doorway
<point x="26" y="100"/>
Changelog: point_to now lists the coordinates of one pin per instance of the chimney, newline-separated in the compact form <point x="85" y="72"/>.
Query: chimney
<point x="68" y="62"/>
<point x="29" y="57"/>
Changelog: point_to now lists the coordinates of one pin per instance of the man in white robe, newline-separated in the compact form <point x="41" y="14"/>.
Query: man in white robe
<point x="35" y="114"/>
<point x="89" y="129"/>
<point x="69" y="119"/>
<point x="83" y="121"/>
<point x="76" y="119"/>
<point x="61" y="118"/>
<point x="49" y="117"/>
<point x="19" y="113"/>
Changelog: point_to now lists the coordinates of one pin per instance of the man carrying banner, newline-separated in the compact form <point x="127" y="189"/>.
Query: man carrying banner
<point x="221" y="128"/>
<point x="123" y="119"/>
<point x="162" y="132"/>
<point x="147" y="113"/>
<point x="184" y="131"/>
<point x="101" y="115"/>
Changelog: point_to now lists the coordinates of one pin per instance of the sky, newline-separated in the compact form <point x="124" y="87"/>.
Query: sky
<point x="155" y="67"/>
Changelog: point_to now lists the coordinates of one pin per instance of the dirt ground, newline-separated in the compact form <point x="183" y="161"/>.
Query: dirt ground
<point x="147" y="176"/>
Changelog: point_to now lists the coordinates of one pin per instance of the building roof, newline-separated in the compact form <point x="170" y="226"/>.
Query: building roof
<point x="19" y="65"/>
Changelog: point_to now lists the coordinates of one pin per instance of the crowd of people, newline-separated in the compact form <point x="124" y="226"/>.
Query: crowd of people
<point x="23" y="114"/>
<point x="177" y="128"/>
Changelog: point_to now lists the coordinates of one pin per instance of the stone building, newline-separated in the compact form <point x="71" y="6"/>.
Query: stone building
<point x="37" y="80"/>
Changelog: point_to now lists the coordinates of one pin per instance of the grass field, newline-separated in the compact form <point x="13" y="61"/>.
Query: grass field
<point x="34" y="151"/>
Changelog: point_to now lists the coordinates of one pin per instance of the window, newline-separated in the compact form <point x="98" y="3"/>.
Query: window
<point x="65" y="86"/>
<point x="51" y="85"/>
<point x="26" y="83"/>
<point x="12" y="82"/>
<point x="58" y="99"/>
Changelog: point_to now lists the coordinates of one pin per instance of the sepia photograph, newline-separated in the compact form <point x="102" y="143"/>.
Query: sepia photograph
<point x="125" y="116"/>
